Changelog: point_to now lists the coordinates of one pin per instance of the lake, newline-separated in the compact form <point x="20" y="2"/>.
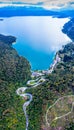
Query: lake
<point x="38" y="37"/>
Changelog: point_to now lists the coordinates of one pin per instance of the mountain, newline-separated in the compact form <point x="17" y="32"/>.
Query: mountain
<point x="60" y="83"/>
<point x="14" y="72"/>
<point x="69" y="29"/>
<point x="10" y="11"/>
<point x="13" y="68"/>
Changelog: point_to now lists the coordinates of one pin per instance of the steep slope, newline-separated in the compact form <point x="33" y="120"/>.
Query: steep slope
<point x="12" y="66"/>
<point x="14" y="72"/>
<point x="59" y="83"/>
<point x="69" y="29"/>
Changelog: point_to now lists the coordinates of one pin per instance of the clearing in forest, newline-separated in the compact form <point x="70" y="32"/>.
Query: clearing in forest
<point x="61" y="108"/>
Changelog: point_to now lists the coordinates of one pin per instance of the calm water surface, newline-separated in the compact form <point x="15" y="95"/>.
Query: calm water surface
<point x="38" y="38"/>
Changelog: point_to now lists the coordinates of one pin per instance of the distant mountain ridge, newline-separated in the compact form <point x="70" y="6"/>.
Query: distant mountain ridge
<point x="10" y="11"/>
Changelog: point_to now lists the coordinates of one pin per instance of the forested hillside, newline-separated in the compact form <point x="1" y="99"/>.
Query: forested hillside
<point x="69" y="29"/>
<point x="14" y="72"/>
<point x="12" y="66"/>
<point x="59" y="83"/>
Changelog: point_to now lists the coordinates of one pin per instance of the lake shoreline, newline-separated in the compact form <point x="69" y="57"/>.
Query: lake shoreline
<point x="39" y="56"/>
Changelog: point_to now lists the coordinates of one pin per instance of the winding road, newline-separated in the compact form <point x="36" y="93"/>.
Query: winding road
<point x="21" y="93"/>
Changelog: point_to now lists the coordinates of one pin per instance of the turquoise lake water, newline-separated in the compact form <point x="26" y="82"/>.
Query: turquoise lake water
<point x="38" y="38"/>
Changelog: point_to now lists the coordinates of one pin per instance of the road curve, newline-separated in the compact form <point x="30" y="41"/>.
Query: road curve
<point x="21" y="92"/>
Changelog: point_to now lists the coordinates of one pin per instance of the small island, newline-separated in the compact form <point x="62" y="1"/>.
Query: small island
<point x="1" y="19"/>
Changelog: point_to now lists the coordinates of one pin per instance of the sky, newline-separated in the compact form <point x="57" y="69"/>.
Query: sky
<point x="45" y="3"/>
